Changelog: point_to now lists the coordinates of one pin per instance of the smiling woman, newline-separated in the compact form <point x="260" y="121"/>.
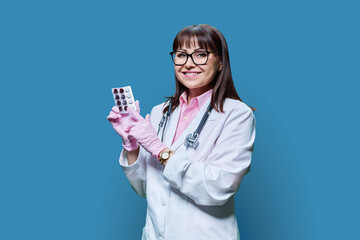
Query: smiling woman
<point x="198" y="73"/>
<point x="190" y="187"/>
<point x="208" y="40"/>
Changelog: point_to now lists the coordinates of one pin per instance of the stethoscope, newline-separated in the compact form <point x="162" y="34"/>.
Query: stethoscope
<point x="192" y="139"/>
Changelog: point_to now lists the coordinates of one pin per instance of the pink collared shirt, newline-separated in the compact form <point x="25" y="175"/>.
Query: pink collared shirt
<point x="188" y="111"/>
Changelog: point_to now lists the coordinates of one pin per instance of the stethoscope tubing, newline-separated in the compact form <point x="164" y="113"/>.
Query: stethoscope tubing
<point x="192" y="139"/>
<point x="164" y="119"/>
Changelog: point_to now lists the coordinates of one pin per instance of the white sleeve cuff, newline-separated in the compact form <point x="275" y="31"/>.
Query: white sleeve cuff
<point x="123" y="161"/>
<point x="175" y="166"/>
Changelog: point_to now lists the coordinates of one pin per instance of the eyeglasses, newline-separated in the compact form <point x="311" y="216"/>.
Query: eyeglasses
<point x="198" y="57"/>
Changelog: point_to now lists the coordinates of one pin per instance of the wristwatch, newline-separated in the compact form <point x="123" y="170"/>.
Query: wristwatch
<point x="164" y="156"/>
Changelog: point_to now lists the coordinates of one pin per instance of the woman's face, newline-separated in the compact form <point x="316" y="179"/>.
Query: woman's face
<point x="197" y="78"/>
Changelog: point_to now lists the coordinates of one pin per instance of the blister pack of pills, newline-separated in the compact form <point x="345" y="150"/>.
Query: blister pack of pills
<point x="124" y="98"/>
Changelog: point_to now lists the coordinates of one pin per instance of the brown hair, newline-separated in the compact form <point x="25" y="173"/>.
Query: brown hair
<point x="210" y="39"/>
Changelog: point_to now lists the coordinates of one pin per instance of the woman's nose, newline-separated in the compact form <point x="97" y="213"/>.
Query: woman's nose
<point x="190" y="63"/>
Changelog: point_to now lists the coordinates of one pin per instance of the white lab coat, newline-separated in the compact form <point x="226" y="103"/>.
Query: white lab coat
<point x="192" y="197"/>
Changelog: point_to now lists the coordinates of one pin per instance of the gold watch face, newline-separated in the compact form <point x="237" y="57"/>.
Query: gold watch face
<point x="165" y="155"/>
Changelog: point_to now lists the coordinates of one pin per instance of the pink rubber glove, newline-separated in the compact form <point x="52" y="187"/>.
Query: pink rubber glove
<point x="143" y="131"/>
<point x="121" y="124"/>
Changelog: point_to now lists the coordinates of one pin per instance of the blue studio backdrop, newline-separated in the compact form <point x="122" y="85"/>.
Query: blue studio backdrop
<point x="297" y="61"/>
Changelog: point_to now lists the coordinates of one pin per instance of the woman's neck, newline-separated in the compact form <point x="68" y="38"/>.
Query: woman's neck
<point x="192" y="93"/>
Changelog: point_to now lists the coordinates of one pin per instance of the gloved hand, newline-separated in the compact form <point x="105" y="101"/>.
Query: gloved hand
<point x="121" y="124"/>
<point x="143" y="131"/>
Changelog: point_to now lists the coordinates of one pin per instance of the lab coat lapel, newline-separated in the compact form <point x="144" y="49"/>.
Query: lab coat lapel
<point x="190" y="129"/>
<point x="170" y="129"/>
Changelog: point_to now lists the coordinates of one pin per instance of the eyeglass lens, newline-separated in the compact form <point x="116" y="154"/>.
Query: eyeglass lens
<point x="198" y="57"/>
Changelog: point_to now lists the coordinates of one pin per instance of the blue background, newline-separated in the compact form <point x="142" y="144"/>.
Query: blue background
<point x="297" y="61"/>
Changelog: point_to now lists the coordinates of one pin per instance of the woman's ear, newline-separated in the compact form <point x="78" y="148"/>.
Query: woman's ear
<point x="220" y="67"/>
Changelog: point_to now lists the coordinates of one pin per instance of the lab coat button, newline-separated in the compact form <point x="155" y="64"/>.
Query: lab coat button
<point x="163" y="202"/>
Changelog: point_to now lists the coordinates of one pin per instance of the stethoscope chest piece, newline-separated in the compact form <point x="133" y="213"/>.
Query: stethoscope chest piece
<point x="192" y="140"/>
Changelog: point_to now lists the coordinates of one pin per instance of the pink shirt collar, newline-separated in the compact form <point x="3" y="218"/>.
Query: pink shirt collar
<point x="200" y="100"/>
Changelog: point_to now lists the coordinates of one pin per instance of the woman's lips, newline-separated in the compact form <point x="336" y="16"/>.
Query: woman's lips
<point x="191" y="74"/>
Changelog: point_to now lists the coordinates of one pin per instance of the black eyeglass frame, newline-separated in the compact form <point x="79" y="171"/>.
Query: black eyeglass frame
<point x="187" y="57"/>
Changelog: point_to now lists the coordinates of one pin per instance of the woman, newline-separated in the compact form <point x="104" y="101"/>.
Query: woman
<point x="190" y="188"/>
